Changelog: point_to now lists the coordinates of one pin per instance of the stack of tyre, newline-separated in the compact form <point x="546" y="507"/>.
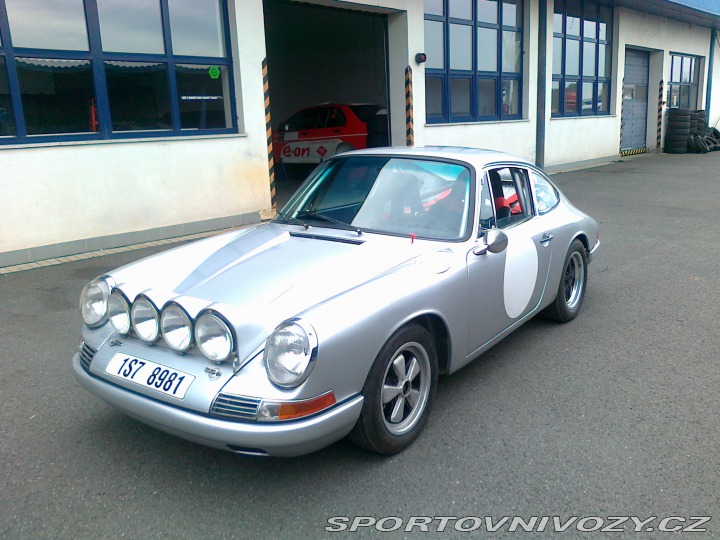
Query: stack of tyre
<point x="688" y="131"/>
<point x="677" y="135"/>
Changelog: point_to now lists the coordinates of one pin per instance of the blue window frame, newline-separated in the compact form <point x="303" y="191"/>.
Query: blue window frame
<point x="474" y="60"/>
<point x="101" y="69"/>
<point x="582" y="58"/>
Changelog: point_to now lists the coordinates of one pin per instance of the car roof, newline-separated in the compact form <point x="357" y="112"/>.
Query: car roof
<point x="478" y="157"/>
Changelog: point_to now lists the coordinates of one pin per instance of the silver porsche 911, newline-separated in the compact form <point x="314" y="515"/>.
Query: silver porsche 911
<point x="387" y="268"/>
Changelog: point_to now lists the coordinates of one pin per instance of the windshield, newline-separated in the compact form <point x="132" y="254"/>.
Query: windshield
<point x="400" y="196"/>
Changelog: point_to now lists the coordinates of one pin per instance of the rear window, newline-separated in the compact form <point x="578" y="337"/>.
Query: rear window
<point x="365" y="112"/>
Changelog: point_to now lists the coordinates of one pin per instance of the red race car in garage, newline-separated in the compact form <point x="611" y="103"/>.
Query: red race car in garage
<point x="318" y="133"/>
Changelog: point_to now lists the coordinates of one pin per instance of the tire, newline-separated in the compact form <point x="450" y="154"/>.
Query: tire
<point x="573" y="282"/>
<point x="715" y="133"/>
<point x="676" y="150"/>
<point x="677" y="124"/>
<point x="673" y="139"/>
<point x="389" y="422"/>
<point x="702" y="146"/>
<point x="691" y="146"/>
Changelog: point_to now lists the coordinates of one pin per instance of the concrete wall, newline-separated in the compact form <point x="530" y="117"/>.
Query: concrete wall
<point x="59" y="193"/>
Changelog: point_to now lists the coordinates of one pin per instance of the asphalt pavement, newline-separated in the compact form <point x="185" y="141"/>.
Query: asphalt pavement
<point x="613" y="414"/>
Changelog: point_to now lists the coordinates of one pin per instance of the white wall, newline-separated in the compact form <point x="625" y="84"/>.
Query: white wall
<point x="59" y="193"/>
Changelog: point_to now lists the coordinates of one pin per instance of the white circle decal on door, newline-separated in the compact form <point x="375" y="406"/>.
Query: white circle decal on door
<point x="521" y="270"/>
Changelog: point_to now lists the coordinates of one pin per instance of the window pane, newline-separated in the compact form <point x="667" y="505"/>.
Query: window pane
<point x="434" y="97"/>
<point x="571" y="98"/>
<point x="590" y="22"/>
<point x="7" y="120"/>
<point x="605" y="26"/>
<point x="139" y="96"/>
<point x="588" y="59"/>
<point x="197" y="27"/>
<point x="460" y="9"/>
<point x="487" y="97"/>
<point x="684" y="97"/>
<point x="693" y="96"/>
<point x="434" y="7"/>
<point x="558" y="18"/>
<point x="572" y="57"/>
<point x="57" y="95"/>
<point x="603" y="97"/>
<point x="588" y="91"/>
<point x="434" y="45"/>
<point x="203" y="92"/>
<point x="459" y="97"/>
<point x="48" y="24"/>
<point x="555" y="105"/>
<point x="511" y="52"/>
<point x="603" y="68"/>
<point x="557" y="56"/>
<point x="686" y="69"/>
<point x="674" y="96"/>
<point x="510" y="97"/>
<point x="133" y="27"/>
<point x="573" y="18"/>
<point x="460" y="46"/>
<point x="511" y="13"/>
<point x="487" y="49"/>
<point x="487" y="11"/>
<point x="676" y="68"/>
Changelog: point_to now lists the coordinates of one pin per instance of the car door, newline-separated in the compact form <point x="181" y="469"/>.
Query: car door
<point x="506" y="286"/>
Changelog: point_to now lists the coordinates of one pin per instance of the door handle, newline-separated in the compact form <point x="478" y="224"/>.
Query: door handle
<point x="337" y="130"/>
<point x="546" y="238"/>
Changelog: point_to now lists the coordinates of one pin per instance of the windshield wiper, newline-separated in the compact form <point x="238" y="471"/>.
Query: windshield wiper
<point x="322" y="217"/>
<point x="292" y="220"/>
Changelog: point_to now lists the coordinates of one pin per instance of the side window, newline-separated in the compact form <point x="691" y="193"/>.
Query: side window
<point x="336" y="119"/>
<point x="545" y="193"/>
<point x="511" y="195"/>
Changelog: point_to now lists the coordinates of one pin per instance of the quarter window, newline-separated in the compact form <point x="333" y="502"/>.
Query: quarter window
<point x="545" y="193"/>
<point x="582" y="44"/>
<point x="475" y="60"/>
<point x="103" y="69"/>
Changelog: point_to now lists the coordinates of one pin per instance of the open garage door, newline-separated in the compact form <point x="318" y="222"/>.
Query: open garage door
<point x="328" y="84"/>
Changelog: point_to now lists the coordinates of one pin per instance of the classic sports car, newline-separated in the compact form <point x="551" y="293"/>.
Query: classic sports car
<point x="387" y="268"/>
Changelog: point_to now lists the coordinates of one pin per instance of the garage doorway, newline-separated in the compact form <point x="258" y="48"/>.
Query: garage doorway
<point x="634" y="126"/>
<point x="322" y="57"/>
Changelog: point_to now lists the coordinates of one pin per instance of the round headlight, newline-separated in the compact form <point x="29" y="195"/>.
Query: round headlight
<point x="119" y="313"/>
<point x="145" y="320"/>
<point x="288" y="354"/>
<point x="94" y="302"/>
<point x="176" y="328"/>
<point x="213" y="337"/>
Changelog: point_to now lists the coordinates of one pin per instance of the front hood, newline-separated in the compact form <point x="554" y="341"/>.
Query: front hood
<point x="261" y="276"/>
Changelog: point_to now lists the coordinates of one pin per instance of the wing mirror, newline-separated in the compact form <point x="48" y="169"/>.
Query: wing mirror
<point x="494" y="241"/>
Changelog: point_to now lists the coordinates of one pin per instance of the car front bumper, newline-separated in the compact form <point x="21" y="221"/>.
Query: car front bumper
<point x="281" y="439"/>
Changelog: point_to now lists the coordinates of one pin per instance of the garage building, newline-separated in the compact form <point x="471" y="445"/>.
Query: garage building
<point x="123" y="123"/>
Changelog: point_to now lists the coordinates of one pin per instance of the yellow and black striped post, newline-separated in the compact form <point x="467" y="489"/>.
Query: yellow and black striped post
<point x="661" y="93"/>
<point x="409" y="117"/>
<point x="268" y="132"/>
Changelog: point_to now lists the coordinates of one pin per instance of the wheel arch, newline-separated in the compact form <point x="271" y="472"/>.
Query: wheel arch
<point x="438" y="329"/>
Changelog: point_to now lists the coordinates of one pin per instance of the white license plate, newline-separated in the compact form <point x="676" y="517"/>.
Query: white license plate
<point x="150" y="375"/>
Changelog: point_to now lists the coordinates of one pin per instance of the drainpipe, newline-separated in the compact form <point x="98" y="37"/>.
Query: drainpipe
<point x="541" y="85"/>
<point x="713" y="39"/>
